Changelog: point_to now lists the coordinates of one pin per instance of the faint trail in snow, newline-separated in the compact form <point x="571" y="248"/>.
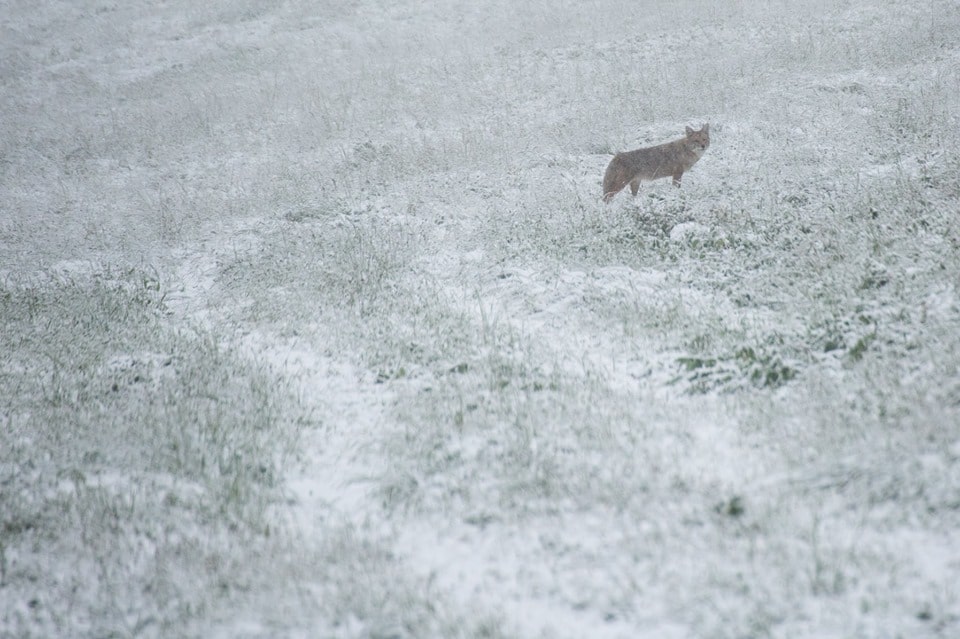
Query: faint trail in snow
<point x="331" y="481"/>
<point x="332" y="477"/>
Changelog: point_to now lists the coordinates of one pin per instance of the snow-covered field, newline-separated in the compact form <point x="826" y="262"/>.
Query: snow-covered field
<point x="314" y="325"/>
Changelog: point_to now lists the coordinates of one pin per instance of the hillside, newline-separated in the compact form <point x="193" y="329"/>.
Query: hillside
<point x="314" y="324"/>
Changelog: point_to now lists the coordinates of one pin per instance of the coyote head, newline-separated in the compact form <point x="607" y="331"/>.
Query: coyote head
<point x="700" y="139"/>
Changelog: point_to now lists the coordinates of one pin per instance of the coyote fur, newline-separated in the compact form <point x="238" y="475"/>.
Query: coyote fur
<point x="664" y="160"/>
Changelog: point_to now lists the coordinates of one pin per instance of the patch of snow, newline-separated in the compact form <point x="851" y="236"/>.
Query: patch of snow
<point x="684" y="231"/>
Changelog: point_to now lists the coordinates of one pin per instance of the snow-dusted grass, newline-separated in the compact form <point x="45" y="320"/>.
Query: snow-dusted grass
<point x="129" y="452"/>
<point x="317" y="326"/>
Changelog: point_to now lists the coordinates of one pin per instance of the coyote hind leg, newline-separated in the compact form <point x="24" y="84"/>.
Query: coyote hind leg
<point x="634" y="186"/>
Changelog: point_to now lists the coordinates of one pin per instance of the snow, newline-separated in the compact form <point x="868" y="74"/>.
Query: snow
<point x="495" y="406"/>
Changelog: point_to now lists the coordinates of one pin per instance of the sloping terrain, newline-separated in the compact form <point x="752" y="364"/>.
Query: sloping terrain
<point x="314" y="324"/>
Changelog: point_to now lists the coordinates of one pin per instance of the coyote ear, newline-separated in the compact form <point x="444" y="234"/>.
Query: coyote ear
<point x="706" y="128"/>
<point x="689" y="131"/>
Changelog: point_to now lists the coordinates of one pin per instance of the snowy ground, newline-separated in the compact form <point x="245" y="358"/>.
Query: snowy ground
<point x="314" y="324"/>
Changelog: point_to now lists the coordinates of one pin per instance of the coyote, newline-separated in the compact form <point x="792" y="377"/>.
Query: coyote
<point x="670" y="159"/>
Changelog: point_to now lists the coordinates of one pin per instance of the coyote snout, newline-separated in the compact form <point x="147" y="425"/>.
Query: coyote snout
<point x="665" y="160"/>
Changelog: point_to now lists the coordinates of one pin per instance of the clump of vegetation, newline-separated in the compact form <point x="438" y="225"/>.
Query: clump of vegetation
<point x="759" y="367"/>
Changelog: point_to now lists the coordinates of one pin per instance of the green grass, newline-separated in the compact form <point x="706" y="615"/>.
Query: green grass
<point x="727" y="410"/>
<point x="135" y="455"/>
